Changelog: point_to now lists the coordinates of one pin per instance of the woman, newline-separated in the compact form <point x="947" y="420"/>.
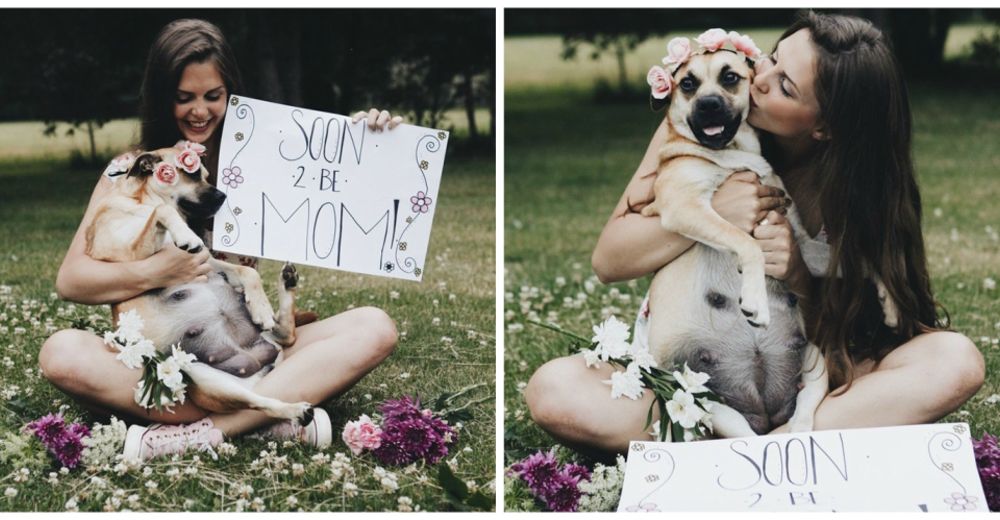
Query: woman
<point x="189" y="75"/>
<point x="835" y="118"/>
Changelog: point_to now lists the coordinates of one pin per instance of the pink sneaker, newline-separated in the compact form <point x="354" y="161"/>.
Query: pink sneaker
<point x="143" y="443"/>
<point x="318" y="433"/>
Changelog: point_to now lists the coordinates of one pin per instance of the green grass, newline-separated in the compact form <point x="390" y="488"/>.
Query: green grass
<point x="40" y="206"/>
<point x="568" y="160"/>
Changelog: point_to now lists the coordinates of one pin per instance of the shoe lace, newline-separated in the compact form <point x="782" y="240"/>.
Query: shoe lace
<point x="169" y="439"/>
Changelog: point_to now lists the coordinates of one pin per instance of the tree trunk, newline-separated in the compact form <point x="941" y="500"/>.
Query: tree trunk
<point x="268" y="79"/>
<point x="93" y="144"/>
<point x="493" y="102"/>
<point x="622" y="76"/>
<point x="470" y="103"/>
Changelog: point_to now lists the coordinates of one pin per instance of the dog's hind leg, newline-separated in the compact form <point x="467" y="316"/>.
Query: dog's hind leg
<point x="284" y="327"/>
<point x="248" y="281"/>
<point x="815" y="381"/>
<point x="221" y="392"/>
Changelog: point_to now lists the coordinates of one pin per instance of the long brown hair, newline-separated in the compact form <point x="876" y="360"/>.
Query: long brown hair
<point x="868" y="195"/>
<point x="179" y="44"/>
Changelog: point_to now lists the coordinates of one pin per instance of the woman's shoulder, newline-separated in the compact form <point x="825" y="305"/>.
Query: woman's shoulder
<point x="120" y="165"/>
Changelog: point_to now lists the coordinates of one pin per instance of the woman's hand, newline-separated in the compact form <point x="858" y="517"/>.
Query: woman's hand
<point x="378" y="120"/>
<point x="781" y="253"/>
<point x="744" y="201"/>
<point x="173" y="266"/>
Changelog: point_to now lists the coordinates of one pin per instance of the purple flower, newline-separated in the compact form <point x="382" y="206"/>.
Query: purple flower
<point x="80" y="430"/>
<point x="410" y="434"/>
<point x="576" y="471"/>
<point x="393" y="454"/>
<point x="405" y="407"/>
<point x="563" y="495"/>
<point x="48" y="428"/>
<point x="232" y="177"/>
<point x="68" y="450"/>
<point x="987" y="453"/>
<point x="538" y="471"/>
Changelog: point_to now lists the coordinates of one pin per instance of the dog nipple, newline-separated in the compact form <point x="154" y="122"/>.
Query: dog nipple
<point x="243" y="371"/>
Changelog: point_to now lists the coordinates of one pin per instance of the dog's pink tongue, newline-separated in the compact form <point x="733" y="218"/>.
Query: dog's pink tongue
<point x="714" y="130"/>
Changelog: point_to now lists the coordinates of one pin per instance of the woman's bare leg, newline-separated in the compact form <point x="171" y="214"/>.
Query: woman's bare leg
<point x="919" y="382"/>
<point x="569" y="401"/>
<point x="81" y="365"/>
<point x="328" y="357"/>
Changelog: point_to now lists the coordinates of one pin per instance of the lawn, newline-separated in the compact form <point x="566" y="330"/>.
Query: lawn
<point x="448" y="320"/>
<point x="568" y="158"/>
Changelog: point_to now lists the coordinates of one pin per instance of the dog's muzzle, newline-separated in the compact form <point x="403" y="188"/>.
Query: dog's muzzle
<point x="713" y="122"/>
<point x="209" y="202"/>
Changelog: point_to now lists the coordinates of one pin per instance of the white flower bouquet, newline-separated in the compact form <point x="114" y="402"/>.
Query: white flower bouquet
<point x="163" y="381"/>
<point x="680" y="394"/>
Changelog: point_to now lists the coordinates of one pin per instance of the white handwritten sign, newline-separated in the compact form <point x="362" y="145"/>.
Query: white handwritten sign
<point x="907" y="468"/>
<point x="314" y="188"/>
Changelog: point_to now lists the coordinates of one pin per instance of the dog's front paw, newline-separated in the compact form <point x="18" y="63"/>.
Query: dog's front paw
<point x="188" y="241"/>
<point x="261" y="313"/>
<point x="756" y="311"/>
<point x="289" y="276"/>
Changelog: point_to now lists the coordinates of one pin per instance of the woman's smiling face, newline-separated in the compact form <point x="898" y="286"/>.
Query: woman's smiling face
<point x="200" y="101"/>
<point x="783" y="100"/>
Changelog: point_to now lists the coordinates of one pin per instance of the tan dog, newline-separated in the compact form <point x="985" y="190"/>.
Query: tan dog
<point x="693" y="300"/>
<point x="229" y="336"/>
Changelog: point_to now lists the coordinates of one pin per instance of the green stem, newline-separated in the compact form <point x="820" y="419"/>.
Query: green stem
<point x="554" y="328"/>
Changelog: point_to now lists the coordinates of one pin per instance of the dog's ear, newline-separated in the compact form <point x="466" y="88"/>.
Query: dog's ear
<point x="658" y="104"/>
<point x="143" y="165"/>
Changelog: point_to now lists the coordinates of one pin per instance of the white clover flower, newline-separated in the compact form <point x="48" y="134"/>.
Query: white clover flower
<point x="71" y="505"/>
<point x="692" y="381"/>
<point x="226" y="449"/>
<point x="682" y="409"/>
<point x="989" y="284"/>
<point x="10" y="492"/>
<point x="350" y="489"/>
<point x="404" y="504"/>
<point x="626" y="383"/>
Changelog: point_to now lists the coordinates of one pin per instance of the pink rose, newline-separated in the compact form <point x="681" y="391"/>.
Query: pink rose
<point x="744" y="44"/>
<point x="166" y="174"/>
<point x="660" y="82"/>
<point x="712" y="39"/>
<point x="188" y="160"/>
<point x="191" y="145"/>
<point x="362" y="435"/>
<point x="678" y="51"/>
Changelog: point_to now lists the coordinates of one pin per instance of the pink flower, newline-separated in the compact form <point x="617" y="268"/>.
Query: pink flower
<point x="678" y="51"/>
<point x="191" y="145"/>
<point x="660" y="82"/>
<point x="362" y="435"/>
<point x="188" y="160"/>
<point x="421" y="202"/>
<point x="712" y="39"/>
<point x="166" y="174"/>
<point x="744" y="44"/>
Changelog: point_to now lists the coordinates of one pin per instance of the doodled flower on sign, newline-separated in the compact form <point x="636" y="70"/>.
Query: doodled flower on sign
<point x="961" y="502"/>
<point x="232" y="177"/>
<point x="421" y="202"/>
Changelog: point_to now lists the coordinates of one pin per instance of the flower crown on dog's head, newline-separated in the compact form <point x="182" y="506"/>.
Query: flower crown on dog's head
<point x="661" y="81"/>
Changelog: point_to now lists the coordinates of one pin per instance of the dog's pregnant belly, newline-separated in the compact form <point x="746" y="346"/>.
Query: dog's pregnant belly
<point x="209" y="320"/>
<point x="695" y="318"/>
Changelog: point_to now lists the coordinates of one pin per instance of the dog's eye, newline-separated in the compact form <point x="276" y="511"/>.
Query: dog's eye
<point x="179" y="296"/>
<point x="716" y="300"/>
<point x="730" y="78"/>
<point x="688" y="84"/>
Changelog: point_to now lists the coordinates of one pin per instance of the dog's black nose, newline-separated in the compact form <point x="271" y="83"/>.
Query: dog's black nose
<point x="710" y="105"/>
<point x="218" y="196"/>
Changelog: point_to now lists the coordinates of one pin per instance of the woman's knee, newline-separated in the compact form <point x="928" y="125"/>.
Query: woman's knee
<point x="959" y="364"/>
<point x="549" y="398"/>
<point x="379" y="331"/>
<point x="59" y="357"/>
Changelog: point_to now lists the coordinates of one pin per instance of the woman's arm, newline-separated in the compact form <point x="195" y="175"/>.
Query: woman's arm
<point x="631" y="245"/>
<point x="84" y="280"/>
